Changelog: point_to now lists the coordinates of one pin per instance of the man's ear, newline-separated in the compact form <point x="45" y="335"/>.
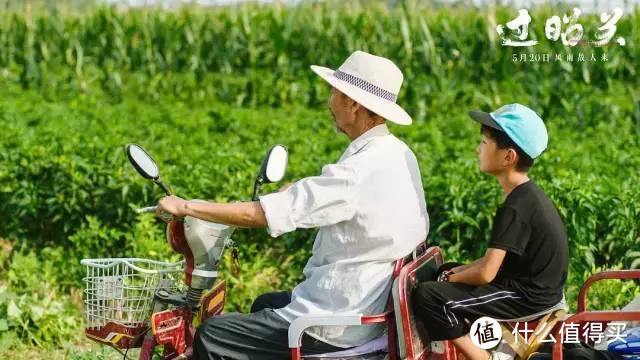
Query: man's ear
<point x="355" y="106"/>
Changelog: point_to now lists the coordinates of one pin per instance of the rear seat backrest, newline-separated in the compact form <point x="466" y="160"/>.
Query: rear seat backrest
<point x="423" y="268"/>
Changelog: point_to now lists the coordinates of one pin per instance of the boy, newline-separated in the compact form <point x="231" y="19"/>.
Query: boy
<point x="525" y="266"/>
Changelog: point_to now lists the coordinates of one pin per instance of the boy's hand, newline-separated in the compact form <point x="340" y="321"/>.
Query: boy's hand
<point x="444" y="276"/>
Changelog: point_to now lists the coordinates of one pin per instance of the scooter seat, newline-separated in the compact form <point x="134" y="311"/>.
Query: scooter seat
<point x="374" y="349"/>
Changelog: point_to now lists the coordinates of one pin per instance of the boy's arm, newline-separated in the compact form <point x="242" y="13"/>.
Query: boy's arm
<point x="461" y="268"/>
<point x="481" y="271"/>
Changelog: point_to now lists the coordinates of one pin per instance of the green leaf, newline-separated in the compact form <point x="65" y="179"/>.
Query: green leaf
<point x="37" y="312"/>
<point x="13" y="311"/>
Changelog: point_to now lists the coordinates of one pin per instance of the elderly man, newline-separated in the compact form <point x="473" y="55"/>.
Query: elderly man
<point x="370" y="211"/>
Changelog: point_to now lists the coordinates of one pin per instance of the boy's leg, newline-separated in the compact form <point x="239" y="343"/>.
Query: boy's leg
<point x="443" y="307"/>
<point x="469" y="350"/>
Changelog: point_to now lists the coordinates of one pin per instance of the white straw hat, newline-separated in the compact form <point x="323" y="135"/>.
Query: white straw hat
<point x="372" y="81"/>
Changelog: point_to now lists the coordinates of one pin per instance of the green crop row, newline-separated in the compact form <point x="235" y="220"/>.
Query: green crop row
<point x="260" y="55"/>
<point x="65" y="181"/>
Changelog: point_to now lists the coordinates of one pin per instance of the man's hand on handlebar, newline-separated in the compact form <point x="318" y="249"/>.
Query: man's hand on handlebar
<point x="173" y="205"/>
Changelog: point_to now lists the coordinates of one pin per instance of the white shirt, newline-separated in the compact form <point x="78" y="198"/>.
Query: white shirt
<point x="370" y="211"/>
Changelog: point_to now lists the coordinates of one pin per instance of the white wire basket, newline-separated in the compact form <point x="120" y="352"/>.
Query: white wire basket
<point x="120" y="290"/>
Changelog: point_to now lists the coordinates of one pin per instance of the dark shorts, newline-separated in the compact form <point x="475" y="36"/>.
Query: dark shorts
<point x="263" y="334"/>
<point x="443" y="307"/>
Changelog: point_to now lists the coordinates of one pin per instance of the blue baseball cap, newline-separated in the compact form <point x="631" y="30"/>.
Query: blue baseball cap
<point x="521" y="124"/>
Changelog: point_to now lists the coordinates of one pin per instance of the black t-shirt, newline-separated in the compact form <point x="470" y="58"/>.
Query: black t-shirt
<point x="528" y="226"/>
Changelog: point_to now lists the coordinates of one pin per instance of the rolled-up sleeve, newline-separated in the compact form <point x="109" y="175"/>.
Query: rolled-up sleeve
<point x="312" y="202"/>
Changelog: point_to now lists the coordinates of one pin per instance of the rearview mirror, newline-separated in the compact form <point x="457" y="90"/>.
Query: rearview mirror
<point x="145" y="165"/>
<point x="273" y="168"/>
<point x="274" y="164"/>
<point x="142" y="162"/>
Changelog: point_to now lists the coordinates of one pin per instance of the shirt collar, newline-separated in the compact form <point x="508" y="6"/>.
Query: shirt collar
<point x="358" y="143"/>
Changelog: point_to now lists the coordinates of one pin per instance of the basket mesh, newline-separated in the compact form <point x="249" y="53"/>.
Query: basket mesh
<point x="121" y="290"/>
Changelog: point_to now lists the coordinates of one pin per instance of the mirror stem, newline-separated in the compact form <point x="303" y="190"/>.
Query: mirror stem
<point x="162" y="186"/>
<point x="256" y="189"/>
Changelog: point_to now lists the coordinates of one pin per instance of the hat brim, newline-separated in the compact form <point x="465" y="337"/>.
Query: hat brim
<point x="385" y="108"/>
<point x="485" y="119"/>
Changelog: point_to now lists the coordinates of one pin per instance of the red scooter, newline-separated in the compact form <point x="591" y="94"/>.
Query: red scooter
<point x="141" y="303"/>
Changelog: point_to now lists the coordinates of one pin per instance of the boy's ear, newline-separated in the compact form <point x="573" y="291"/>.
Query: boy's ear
<point x="510" y="157"/>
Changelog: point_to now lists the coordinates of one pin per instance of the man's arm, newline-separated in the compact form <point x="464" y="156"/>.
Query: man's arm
<point x="241" y="214"/>
<point x="311" y="202"/>
<point x="246" y="214"/>
<point x="481" y="271"/>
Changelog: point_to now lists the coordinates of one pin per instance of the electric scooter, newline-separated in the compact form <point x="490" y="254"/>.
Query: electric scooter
<point x="132" y="302"/>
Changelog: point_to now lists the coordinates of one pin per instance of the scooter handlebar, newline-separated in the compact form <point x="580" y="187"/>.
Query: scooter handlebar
<point x="148" y="209"/>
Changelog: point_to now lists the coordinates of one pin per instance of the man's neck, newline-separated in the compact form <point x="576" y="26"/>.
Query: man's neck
<point x="355" y="132"/>
<point x="509" y="180"/>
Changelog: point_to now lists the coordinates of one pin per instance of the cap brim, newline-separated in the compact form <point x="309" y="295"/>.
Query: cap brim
<point x="485" y="119"/>
<point x="385" y="108"/>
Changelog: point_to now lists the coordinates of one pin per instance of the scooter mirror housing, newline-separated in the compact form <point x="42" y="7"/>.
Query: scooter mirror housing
<point x="142" y="162"/>
<point x="145" y="165"/>
<point x="273" y="168"/>
<point x="275" y="164"/>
